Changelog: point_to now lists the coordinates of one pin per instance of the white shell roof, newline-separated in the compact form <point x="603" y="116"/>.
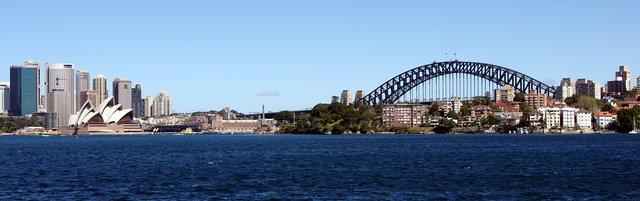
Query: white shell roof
<point x="107" y="110"/>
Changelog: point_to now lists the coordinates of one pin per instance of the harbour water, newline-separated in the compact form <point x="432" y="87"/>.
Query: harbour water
<point x="318" y="167"/>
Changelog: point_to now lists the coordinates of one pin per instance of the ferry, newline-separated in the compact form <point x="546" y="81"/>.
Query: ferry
<point x="186" y="131"/>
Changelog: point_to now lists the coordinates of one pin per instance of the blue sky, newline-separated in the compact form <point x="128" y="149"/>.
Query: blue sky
<point x="294" y="54"/>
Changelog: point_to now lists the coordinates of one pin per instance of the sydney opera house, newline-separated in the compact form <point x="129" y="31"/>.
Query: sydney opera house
<point x="108" y="118"/>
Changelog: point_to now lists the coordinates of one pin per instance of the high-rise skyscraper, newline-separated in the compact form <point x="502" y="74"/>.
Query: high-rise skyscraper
<point x="147" y="106"/>
<point x="122" y="92"/>
<point x="638" y="85"/>
<point x="35" y="64"/>
<point x="136" y="101"/>
<point x="588" y="87"/>
<point x="60" y="91"/>
<point x="82" y="84"/>
<point x="24" y="93"/>
<point x="162" y="105"/>
<point x="566" y="89"/>
<point x="345" y="97"/>
<point x="625" y="74"/>
<point x="359" y="95"/>
<point x="5" y="90"/>
<point x="91" y="96"/>
<point x="100" y="86"/>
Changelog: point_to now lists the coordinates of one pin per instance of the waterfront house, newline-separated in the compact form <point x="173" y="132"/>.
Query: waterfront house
<point x="604" y="119"/>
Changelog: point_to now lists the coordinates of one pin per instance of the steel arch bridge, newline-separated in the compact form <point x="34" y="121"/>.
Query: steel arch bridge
<point x="392" y="90"/>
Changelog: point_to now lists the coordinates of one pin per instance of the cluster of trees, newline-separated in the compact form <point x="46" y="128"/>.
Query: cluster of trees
<point x="206" y="113"/>
<point x="334" y="118"/>
<point x="11" y="124"/>
<point x="627" y="120"/>
<point x="587" y="103"/>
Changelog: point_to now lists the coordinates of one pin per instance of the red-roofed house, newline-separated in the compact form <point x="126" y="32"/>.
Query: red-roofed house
<point x="604" y="119"/>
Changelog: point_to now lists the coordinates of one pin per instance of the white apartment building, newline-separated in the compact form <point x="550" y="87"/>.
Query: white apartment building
<point x="551" y="116"/>
<point x="562" y="117"/>
<point x="454" y="105"/>
<point x="583" y="119"/>
<point x="604" y="119"/>
<point x="568" y="117"/>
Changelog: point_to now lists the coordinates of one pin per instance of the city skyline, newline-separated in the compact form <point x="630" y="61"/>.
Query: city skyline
<point x="252" y="58"/>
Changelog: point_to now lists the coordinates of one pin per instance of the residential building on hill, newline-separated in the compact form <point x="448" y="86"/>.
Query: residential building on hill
<point x="505" y="94"/>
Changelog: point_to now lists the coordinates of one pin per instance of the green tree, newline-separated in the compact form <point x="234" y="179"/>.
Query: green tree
<point x="588" y="103"/>
<point x="626" y="118"/>
<point x="465" y="110"/>
<point x="524" y="122"/>
<point x="444" y="126"/>
<point x="334" y="99"/>
<point x="607" y="108"/>
<point x="284" y="116"/>
<point x="490" y="120"/>
<point x="572" y="99"/>
<point x="482" y="100"/>
<point x="519" y="97"/>
<point x="335" y="118"/>
<point x="525" y="108"/>
<point x="11" y="124"/>
<point x="434" y="109"/>
<point x="452" y="114"/>
<point x="495" y="108"/>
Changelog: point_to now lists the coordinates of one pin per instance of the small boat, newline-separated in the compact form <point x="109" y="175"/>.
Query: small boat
<point x="634" y="127"/>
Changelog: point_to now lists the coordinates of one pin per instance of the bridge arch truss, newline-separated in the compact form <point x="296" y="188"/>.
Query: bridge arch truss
<point x="392" y="90"/>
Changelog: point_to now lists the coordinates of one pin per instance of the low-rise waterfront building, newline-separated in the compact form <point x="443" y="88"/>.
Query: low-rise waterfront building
<point x="480" y="111"/>
<point x="509" y="106"/>
<point x="583" y="119"/>
<point x="604" y="119"/>
<point x="220" y="125"/>
<point x="535" y="118"/>
<point x="565" y="117"/>
<point x="568" y="117"/>
<point x="509" y="118"/>
<point x="550" y="116"/>
<point x="411" y="115"/>
<point x="509" y="121"/>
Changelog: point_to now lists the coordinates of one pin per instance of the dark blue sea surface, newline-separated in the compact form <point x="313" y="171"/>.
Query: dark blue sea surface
<point x="320" y="167"/>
